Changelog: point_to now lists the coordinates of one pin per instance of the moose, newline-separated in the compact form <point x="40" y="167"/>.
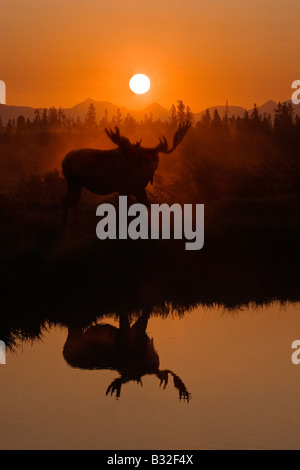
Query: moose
<point x="127" y="349"/>
<point x="126" y="169"/>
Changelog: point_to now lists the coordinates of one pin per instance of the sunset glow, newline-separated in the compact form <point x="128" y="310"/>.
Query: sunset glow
<point x="202" y="52"/>
<point x="139" y="84"/>
<point x="150" y="226"/>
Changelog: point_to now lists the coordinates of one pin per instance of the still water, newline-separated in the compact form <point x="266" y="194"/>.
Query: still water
<point x="235" y="364"/>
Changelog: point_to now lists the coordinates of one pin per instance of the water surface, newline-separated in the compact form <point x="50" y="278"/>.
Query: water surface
<point x="236" y="365"/>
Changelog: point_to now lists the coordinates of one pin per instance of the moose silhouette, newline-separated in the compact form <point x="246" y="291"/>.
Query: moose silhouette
<point x="126" y="169"/>
<point x="127" y="349"/>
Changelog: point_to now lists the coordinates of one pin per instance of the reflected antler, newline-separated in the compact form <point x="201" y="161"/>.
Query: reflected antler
<point x="115" y="386"/>
<point x="183" y="393"/>
<point x="163" y="375"/>
<point x="178" y="137"/>
<point x="117" y="138"/>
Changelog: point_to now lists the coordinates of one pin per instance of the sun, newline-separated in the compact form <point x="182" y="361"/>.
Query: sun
<point x="139" y="83"/>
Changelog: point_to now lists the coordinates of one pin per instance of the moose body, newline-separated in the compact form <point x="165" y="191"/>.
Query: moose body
<point x="107" y="171"/>
<point x="127" y="169"/>
<point x="127" y="350"/>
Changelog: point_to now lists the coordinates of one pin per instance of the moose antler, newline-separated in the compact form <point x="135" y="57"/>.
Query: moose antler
<point x="183" y="393"/>
<point x="163" y="145"/>
<point x="117" y="138"/>
<point x="178" y="137"/>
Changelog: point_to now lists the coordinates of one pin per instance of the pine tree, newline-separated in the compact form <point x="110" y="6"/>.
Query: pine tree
<point x="53" y="117"/>
<point x="180" y="112"/>
<point x="216" y="120"/>
<point x="21" y="124"/>
<point x="255" y="116"/>
<point x="173" y="117"/>
<point x="37" y="118"/>
<point x="255" y="119"/>
<point x="119" y="117"/>
<point x="44" y="120"/>
<point x="188" y="114"/>
<point x="90" y="120"/>
<point x="206" y="119"/>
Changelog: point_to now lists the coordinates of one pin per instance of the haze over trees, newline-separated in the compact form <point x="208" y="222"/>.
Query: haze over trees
<point x="224" y="157"/>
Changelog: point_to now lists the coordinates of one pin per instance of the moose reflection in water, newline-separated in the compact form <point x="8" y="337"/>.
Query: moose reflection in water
<point x="127" y="349"/>
<point x="127" y="169"/>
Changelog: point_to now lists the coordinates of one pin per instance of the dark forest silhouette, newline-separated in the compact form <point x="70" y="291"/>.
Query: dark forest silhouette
<point x="251" y="156"/>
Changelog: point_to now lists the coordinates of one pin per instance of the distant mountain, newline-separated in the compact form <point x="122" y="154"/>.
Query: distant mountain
<point x="232" y="111"/>
<point x="80" y="110"/>
<point x="156" y="110"/>
<point x="270" y="106"/>
<point x="13" y="112"/>
<point x="267" y="108"/>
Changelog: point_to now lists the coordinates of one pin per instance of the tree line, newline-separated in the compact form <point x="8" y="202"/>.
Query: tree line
<point x="222" y="156"/>
<point x="54" y="119"/>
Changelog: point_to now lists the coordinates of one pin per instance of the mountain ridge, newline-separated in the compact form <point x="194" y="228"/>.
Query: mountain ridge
<point x="155" y="109"/>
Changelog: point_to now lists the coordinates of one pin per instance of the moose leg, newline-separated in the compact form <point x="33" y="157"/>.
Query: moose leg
<point x="142" y="322"/>
<point x="124" y="322"/>
<point x="141" y="196"/>
<point x="71" y="199"/>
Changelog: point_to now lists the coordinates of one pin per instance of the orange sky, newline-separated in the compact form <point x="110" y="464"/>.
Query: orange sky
<point x="59" y="52"/>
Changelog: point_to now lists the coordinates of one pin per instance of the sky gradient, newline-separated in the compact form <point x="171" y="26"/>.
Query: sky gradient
<point x="60" y="52"/>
